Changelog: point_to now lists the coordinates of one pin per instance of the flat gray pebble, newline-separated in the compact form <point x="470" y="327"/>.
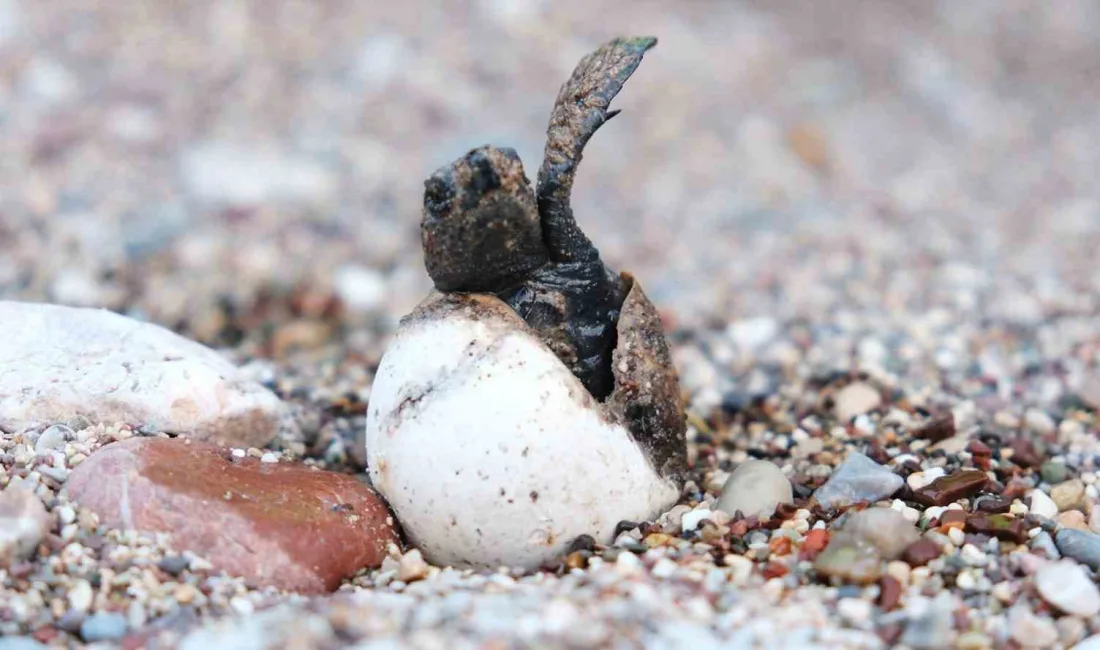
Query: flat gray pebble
<point x="1079" y="545"/>
<point x="103" y="626"/>
<point x="858" y="478"/>
<point x="20" y="643"/>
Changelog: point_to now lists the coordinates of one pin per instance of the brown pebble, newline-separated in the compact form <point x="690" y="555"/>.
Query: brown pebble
<point x="979" y="448"/>
<point x="1015" y="489"/>
<point x="921" y="552"/>
<point x="992" y="504"/>
<point x="890" y="633"/>
<point x="775" y="570"/>
<point x="953" y="517"/>
<point x="1024" y="453"/>
<point x="889" y="593"/>
<point x="938" y="429"/>
<point x="951" y="488"/>
<point x="1003" y="527"/>
<point x="300" y="528"/>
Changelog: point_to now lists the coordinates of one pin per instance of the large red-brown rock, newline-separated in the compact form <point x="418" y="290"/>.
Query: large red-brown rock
<point x="276" y="524"/>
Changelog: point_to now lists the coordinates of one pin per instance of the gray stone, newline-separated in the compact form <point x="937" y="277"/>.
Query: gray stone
<point x="52" y="438"/>
<point x="858" y="478"/>
<point x="24" y="523"/>
<point x="930" y="622"/>
<point x="20" y="643"/>
<point x="1079" y="545"/>
<point x="1066" y="586"/>
<point x="103" y="626"/>
<point x="60" y="363"/>
<point x="756" y="487"/>
<point x="885" y="529"/>
<point x="1045" y="543"/>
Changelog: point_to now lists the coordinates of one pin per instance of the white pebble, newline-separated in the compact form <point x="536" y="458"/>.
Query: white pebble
<point x="690" y="520"/>
<point x="1042" y="505"/>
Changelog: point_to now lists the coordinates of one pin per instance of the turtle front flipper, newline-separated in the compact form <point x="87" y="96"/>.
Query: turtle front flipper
<point x="581" y="109"/>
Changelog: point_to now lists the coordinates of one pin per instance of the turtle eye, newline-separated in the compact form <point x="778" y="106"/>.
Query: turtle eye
<point x="439" y="194"/>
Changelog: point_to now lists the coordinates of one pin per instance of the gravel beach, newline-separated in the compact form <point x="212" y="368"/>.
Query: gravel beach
<point x="870" y="230"/>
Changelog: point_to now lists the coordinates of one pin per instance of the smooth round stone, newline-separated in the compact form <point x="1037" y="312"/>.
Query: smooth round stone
<point x="283" y="524"/>
<point x="103" y="626"/>
<point x="756" y="487"/>
<point x="1066" y="586"/>
<point x="1079" y="545"/>
<point x="60" y="363"/>
<point x="885" y="529"/>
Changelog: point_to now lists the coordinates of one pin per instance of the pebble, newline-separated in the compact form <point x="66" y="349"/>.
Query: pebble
<point x="52" y="438"/>
<point x="108" y="368"/>
<point x="80" y="596"/>
<point x="917" y="480"/>
<point x="921" y="552"/>
<point x="1038" y="422"/>
<point x="20" y="643"/>
<point x="307" y="529"/>
<point x="103" y="626"/>
<point x="949" y="489"/>
<point x="1029" y="630"/>
<point x="1042" y="505"/>
<point x="858" y="479"/>
<point x="1053" y="472"/>
<point x="1066" y="586"/>
<point x="691" y="520"/>
<point x="1069" y="495"/>
<point x="886" y="529"/>
<point x="412" y="567"/>
<point x="856" y="399"/>
<point x="849" y="561"/>
<point x="930" y="622"/>
<point x="755" y="487"/>
<point x="1073" y="519"/>
<point x="1079" y="545"/>
<point x="24" y="523"/>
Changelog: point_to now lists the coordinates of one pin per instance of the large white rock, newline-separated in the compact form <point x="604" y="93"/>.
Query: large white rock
<point x="58" y="363"/>
<point x="491" y="451"/>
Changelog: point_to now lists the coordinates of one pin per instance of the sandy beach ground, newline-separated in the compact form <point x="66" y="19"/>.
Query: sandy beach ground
<point x="897" y="197"/>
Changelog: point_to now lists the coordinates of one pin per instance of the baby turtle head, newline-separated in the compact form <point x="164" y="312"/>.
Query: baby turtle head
<point x="481" y="230"/>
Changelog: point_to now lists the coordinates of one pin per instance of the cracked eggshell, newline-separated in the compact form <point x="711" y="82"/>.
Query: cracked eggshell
<point x="491" y="452"/>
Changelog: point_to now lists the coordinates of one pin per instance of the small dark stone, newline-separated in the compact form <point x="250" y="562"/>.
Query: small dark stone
<point x="70" y="621"/>
<point x="951" y="488"/>
<point x="1054" y="473"/>
<point x="624" y="526"/>
<point x="174" y="564"/>
<point x="889" y="593"/>
<point x="979" y="448"/>
<point x="1024" y="453"/>
<point x="953" y="517"/>
<point x="921" y="552"/>
<point x="1003" y="527"/>
<point x="582" y="543"/>
<point x="992" y="504"/>
<point x="938" y="429"/>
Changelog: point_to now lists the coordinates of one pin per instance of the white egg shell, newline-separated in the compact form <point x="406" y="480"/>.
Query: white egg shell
<point x="490" y="451"/>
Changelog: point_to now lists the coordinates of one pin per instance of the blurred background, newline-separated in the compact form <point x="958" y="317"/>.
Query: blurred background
<point x="217" y="166"/>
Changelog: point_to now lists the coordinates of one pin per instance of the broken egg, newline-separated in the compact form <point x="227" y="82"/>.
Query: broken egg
<point x="531" y="397"/>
